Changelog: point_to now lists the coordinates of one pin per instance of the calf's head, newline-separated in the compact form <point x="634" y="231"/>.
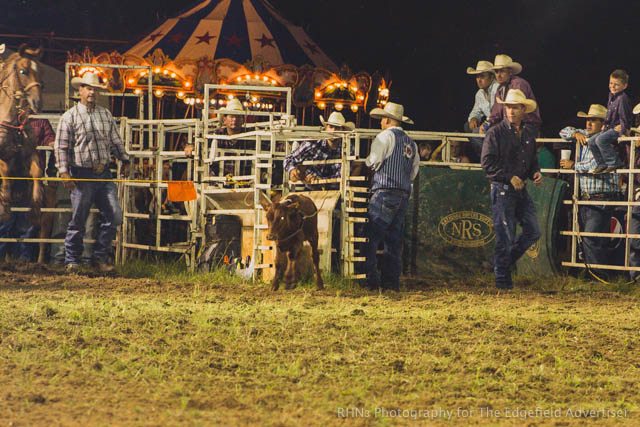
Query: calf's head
<point x="283" y="218"/>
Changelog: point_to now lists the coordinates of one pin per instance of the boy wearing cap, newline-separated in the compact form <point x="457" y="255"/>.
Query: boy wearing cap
<point x="509" y="158"/>
<point x="593" y="218"/>
<point x="617" y="123"/>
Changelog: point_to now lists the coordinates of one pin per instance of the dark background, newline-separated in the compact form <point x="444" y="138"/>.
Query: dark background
<point x="567" y="47"/>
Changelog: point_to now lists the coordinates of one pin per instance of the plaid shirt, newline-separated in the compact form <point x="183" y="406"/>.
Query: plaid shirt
<point x="87" y="138"/>
<point x="590" y="183"/>
<point x="316" y="150"/>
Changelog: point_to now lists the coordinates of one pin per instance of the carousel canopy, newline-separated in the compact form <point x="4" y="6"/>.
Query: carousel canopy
<point x="240" y="30"/>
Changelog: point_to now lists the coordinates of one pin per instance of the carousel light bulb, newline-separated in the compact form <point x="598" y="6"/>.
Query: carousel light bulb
<point x="222" y="102"/>
<point x="165" y="72"/>
<point x="354" y="108"/>
<point x="230" y="97"/>
<point x="273" y="82"/>
<point x="212" y="102"/>
<point x="159" y="93"/>
<point x="254" y="99"/>
<point x="157" y="70"/>
<point x="245" y="103"/>
<point x="137" y="91"/>
<point x="256" y="77"/>
<point x="187" y="84"/>
<point x="173" y="75"/>
<point x="339" y="107"/>
<point x="131" y="81"/>
<point x="322" y="105"/>
<point x="239" y="79"/>
<point x="258" y="105"/>
<point x="265" y="78"/>
<point x="318" y="94"/>
<point x="330" y="86"/>
<point x="247" y="77"/>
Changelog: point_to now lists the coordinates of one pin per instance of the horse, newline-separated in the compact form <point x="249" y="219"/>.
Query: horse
<point x="20" y="94"/>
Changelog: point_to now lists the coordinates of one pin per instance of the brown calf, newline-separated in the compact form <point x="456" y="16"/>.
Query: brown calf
<point x="291" y="222"/>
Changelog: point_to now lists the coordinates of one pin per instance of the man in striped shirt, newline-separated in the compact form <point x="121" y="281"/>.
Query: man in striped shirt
<point x="605" y="187"/>
<point x="86" y="139"/>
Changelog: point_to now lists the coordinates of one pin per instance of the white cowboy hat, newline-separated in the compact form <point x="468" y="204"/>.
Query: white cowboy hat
<point x="596" y="111"/>
<point x="505" y="61"/>
<point x="89" y="79"/>
<point x="337" y="119"/>
<point x="482" y="67"/>
<point x="636" y="109"/>
<point x="515" y="96"/>
<point x="234" y="106"/>
<point x="393" y="111"/>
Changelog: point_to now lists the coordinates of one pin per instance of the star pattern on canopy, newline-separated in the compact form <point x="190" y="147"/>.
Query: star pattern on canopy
<point x="265" y="41"/>
<point x="234" y="40"/>
<point x="205" y="38"/>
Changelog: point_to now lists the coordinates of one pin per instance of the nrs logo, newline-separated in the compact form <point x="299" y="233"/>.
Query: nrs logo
<point x="467" y="229"/>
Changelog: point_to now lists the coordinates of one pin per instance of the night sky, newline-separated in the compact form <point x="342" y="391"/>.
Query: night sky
<point x="567" y="47"/>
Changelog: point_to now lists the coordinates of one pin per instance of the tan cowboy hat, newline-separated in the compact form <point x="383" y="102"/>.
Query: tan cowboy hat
<point x="515" y="96"/>
<point x="596" y="111"/>
<point x="337" y="119"/>
<point x="234" y="106"/>
<point x="505" y="61"/>
<point x="393" y="111"/>
<point x="636" y="109"/>
<point x="89" y="79"/>
<point x="482" y="67"/>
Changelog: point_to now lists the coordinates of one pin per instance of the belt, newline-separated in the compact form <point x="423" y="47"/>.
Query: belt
<point x="97" y="169"/>
<point x="612" y="195"/>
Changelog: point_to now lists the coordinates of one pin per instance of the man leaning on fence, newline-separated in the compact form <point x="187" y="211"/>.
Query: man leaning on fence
<point x="509" y="159"/>
<point x="86" y="139"/>
<point x="395" y="161"/>
<point x="602" y="187"/>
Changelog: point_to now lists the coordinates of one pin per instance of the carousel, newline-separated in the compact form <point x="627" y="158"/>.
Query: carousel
<point x="233" y="43"/>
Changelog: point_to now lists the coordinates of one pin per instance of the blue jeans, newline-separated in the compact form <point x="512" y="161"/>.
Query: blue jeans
<point x="634" y="244"/>
<point x="595" y="219"/>
<point x="105" y="197"/>
<point x="603" y="150"/>
<point x="508" y="208"/>
<point x="387" y="209"/>
<point x="19" y="226"/>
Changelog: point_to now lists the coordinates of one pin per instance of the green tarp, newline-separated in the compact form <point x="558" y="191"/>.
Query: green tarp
<point x="450" y="229"/>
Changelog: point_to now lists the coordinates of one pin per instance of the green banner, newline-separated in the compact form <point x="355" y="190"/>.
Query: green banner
<point x="450" y="229"/>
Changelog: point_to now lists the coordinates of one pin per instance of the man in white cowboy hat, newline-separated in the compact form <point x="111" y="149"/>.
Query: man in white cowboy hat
<point x="509" y="158"/>
<point x="86" y="138"/>
<point x="395" y="161"/>
<point x="485" y="97"/>
<point x="232" y="117"/>
<point x="506" y="75"/>
<point x="593" y="218"/>
<point x="325" y="149"/>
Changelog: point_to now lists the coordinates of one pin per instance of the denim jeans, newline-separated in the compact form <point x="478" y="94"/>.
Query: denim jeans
<point x="634" y="244"/>
<point x="19" y="226"/>
<point x="595" y="219"/>
<point x="105" y="197"/>
<point x="602" y="147"/>
<point x="387" y="209"/>
<point x="508" y="208"/>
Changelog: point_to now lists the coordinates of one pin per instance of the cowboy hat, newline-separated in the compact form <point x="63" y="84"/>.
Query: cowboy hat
<point x="482" y="67"/>
<point x="336" y="119"/>
<point x="88" y="79"/>
<point x="515" y="96"/>
<point x="596" y="111"/>
<point x="234" y="106"/>
<point x="636" y="109"/>
<point x="505" y="61"/>
<point x="392" y="111"/>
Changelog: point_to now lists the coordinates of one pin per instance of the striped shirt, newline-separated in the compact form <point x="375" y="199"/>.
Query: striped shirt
<point x="398" y="160"/>
<point x="87" y="138"/>
<point x="316" y="150"/>
<point x="590" y="183"/>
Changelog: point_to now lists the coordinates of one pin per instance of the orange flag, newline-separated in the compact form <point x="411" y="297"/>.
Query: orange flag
<point x="181" y="191"/>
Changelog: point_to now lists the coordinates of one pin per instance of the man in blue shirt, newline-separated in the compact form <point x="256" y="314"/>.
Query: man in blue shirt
<point x="509" y="158"/>
<point x="605" y="187"/>
<point x="395" y="161"/>
<point x="485" y="97"/>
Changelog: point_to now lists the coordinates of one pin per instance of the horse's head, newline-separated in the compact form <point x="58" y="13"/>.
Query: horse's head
<point x="20" y="79"/>
<point x="283" y="219"/>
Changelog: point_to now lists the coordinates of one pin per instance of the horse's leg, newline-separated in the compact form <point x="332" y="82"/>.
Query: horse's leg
<point x="5" y="192"/>
<point x="35" y="171"/>
<point x="46" y="220"/>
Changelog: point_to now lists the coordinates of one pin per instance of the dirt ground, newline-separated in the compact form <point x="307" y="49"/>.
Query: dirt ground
<point x="170" y="349"/>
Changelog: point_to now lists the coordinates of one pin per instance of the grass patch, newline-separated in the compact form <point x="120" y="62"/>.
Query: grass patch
<point x="159" y="345"/>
